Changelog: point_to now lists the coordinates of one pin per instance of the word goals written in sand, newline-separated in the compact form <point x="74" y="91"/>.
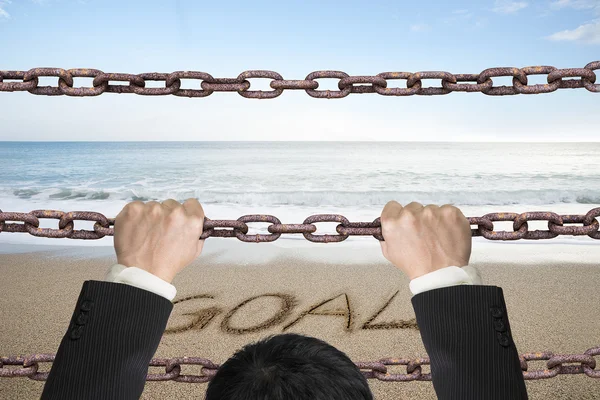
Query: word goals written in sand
<point x="286" y="314"/>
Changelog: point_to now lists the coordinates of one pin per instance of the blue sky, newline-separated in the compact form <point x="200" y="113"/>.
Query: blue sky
<point x="225" y="38"/>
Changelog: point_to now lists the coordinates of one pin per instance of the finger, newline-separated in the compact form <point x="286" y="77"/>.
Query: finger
<point x="414" y="207"/>
<point x="431" y="210"/>
<point x="153" y="209"/>
<point x="192" y="207"/>
<point x="132" y="205"/>
<point x="451" y="208"/>
<point x="131" y="208"/>
<point x="199" y="248"/>
<point x="383" y="248"/>
<point x="196" y="208"/>
<point x="390" y="213"/>
<point x="171" y="204"/>
<point x="391" y="209"/>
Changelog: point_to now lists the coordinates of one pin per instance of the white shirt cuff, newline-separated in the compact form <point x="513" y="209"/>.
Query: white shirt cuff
<point x="444" y="277"/>
<point x="142" y="279"/>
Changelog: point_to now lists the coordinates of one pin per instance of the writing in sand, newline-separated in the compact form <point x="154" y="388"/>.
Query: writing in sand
<point x="286" y="314"/>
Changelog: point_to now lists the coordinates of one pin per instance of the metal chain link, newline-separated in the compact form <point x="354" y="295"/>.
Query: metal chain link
<point x="239" y="228"/>
<point x="370" y="369"/>
<point x="482" y="82"/>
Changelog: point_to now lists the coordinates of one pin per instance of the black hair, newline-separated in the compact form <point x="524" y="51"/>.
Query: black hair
<point x="289" y="367"/>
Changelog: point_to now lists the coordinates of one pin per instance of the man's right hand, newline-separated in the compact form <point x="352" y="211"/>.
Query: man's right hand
<point x="420" y="240"/>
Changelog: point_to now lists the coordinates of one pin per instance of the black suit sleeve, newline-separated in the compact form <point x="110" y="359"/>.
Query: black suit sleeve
<point x="467" y="336"/>
<point x="113" y="334"/>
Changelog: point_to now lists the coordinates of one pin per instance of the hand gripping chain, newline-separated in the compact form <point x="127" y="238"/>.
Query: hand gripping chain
<point x="239" y="228"/>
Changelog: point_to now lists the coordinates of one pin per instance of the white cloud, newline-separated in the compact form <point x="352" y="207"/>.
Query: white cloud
<point x="508" y="7"/>
<point x="576" y="4"/>
<point x="419" y="27"/>
<point x="586" y="33"/>
<point x="3" y="12"/>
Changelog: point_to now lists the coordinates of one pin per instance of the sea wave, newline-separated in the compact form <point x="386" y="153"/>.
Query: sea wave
<point x="313" y="198"/>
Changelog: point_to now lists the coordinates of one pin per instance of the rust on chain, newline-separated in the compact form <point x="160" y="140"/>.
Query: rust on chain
<point x="481" y="82"/>
<point x="29" y="81"/>
<point x="430" y="91"/>
<point x="372" y="80"/>
<point x="574" y="230"/>
<point x="28" y="366"/>
<point x="210" y="225"/>
<point x="584" y="73"/>
<point x="588" y="83"/>
<point x="258" y="237"/>
<point x="37" y="73"/>
<point x="325" y="218"/>
<point x="239" y="228"/>
<point x="361" y="229"/>
<point x="133" y="80"/>
<point x="292" y="228"/>
<point x="82" y="91"/>
<point x="294" y="84"/>
<point x="397" y="91"/>
<point x="502" y="71"/>
<point x="225" y="85"/>
<point x="178" y="75"/>
<point x="538" y="216"/>
<point x="16" y="86"/>
<point x="260" y="94"/>
<point x="539" y="88"/>
<point x="155" y="76"/>
<point x="453" y="86"/>
<point x="328" y="94"/>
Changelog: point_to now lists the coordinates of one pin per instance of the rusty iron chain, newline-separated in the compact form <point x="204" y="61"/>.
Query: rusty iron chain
<point x="239" y="228"/>
<point x="370" y="369"/>
<point x="482" y="82"/>
<point x="136" y="83"/>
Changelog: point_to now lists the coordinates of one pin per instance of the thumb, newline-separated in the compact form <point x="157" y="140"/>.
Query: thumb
<point x="199" y="248"/>
<point x="384" y="248"/>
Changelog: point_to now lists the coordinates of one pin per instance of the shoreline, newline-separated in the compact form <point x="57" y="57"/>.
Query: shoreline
<point x="349" y="251"/>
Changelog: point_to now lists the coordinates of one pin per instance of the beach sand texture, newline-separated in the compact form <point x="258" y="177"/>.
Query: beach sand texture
<point x="552" y="292"/>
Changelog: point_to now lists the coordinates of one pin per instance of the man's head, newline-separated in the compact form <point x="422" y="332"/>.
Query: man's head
<point x="289" y="367"/>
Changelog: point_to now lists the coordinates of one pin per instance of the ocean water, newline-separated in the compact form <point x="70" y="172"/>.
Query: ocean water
<point x="292" y="180"/>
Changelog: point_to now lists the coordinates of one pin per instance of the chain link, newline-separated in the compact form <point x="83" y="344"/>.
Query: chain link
<point x="370" y="369"/>
<point x="239" y="228"/>
<point x="482" y="82"/>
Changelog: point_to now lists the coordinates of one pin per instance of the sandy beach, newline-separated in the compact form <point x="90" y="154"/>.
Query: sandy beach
<point x="551" y="291"/>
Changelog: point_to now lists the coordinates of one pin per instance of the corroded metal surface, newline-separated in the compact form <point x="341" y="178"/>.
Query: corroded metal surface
<point x="239" y="229"/>
<point x="482" y="82"/>
<point x="29" y="365"/>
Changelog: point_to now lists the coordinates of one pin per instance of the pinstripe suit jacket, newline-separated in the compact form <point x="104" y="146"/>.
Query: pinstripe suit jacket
<point x="116" y="329"/>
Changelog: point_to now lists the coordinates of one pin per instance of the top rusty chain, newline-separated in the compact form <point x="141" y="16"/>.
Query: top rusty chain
<point x="347" y="84"/>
